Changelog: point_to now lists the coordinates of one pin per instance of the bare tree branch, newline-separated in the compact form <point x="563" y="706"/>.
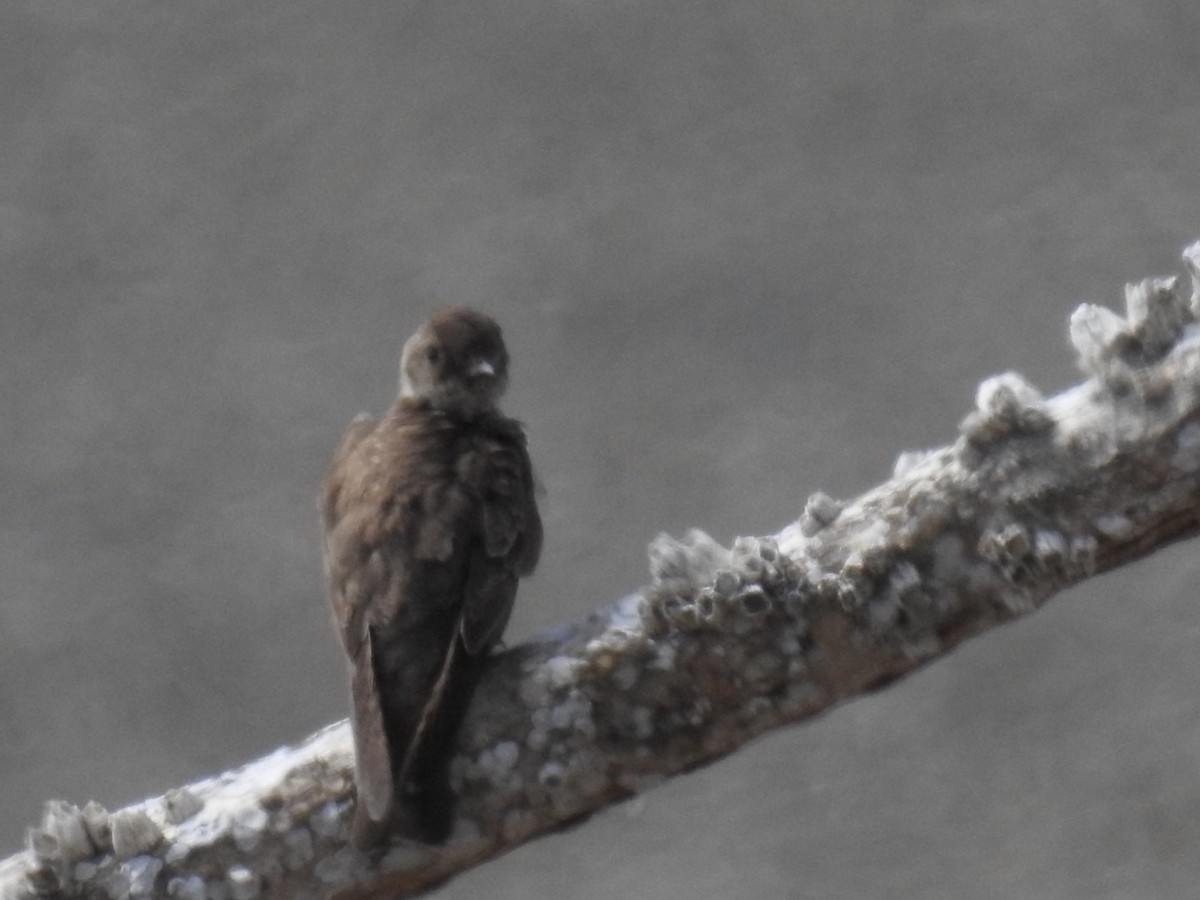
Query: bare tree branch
<point x="1034" y="496"/>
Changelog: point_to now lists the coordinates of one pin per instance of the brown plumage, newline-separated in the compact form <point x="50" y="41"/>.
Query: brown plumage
<point x="429" y="519"/>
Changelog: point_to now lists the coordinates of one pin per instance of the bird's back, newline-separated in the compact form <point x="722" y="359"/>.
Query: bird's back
<point x="419" y="493"/>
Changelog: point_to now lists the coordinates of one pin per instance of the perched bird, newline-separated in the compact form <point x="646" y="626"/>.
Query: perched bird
<point x="429" y="520"/>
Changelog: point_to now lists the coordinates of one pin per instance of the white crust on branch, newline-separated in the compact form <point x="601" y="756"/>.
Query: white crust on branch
<point x="1035" y="495"/>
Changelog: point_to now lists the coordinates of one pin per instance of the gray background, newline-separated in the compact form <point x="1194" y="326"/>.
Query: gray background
<point x="741" y="250"/>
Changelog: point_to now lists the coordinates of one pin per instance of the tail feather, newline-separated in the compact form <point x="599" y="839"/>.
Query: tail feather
<point x="375" y="786"/>
<point x="429" y="713"/>
<point x="424" y="771"/>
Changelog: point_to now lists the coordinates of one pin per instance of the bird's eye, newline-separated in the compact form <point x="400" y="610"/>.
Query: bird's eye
<point x="433" y="354"/>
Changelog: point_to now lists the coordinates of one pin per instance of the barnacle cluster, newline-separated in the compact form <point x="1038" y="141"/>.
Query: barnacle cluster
<point x="708" y="587"/>
<point x="1025" y="557"/>
<point x="1117" y="351"/>
<point x="1005" y="406"/>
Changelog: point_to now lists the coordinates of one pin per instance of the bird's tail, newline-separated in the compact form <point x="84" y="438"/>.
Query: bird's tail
<point x="423" y="773"/>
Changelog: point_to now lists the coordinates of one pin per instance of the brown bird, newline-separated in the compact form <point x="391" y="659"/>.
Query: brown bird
<point x="429" y="520"/>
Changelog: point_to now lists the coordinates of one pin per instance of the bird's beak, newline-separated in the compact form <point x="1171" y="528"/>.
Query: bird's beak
<point x="482" y="367"/>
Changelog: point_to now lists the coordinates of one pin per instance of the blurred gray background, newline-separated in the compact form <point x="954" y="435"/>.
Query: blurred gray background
<point x="742" y="251"/>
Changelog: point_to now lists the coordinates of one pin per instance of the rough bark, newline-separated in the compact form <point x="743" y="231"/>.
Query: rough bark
<point x="1035" y="495"/>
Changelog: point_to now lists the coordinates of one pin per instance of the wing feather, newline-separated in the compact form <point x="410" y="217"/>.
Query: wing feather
<point x="371" y="748"/>
<point x="511" y="540"/>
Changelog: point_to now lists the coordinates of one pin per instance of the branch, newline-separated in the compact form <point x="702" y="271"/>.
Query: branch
<point x="1034" y="496"/>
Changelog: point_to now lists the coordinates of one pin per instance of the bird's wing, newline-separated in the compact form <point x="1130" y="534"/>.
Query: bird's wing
<point x="511" y="540"/>
<point x="488" y="601"/>
<point x="347" y="559"/>
<point x="376" y="793"/>
<point x="355" y="432"/>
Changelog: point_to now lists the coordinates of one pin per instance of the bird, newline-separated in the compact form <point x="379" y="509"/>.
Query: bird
<point x="429" y="520"/>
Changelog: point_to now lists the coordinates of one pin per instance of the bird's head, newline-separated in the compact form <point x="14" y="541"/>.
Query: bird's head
<point x="456" y="361"/>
